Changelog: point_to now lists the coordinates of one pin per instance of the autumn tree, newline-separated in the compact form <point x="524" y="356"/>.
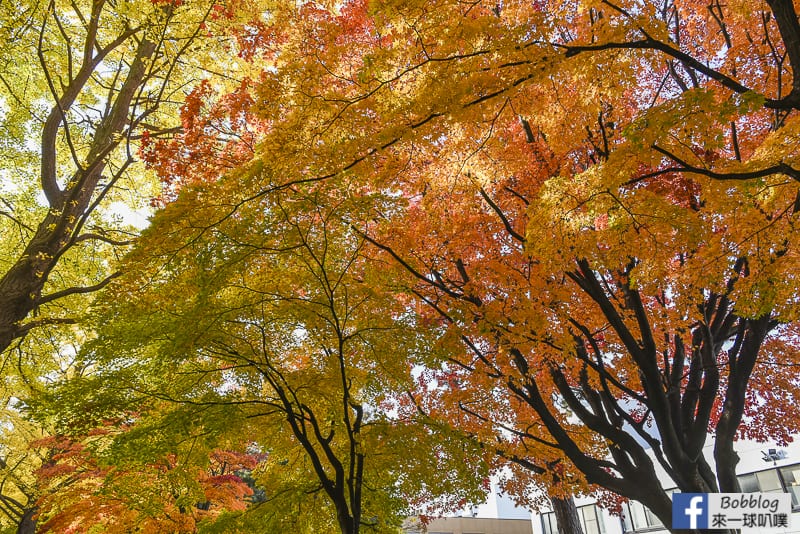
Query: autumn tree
<point x="83" y="490"/>
<point x="559" y="321"/>
<point x="272" y="324"/>
<point x="81" y="83"/>
<point x="18" y="480"/>
<point x="601" y="205"/>
<point x="93" y="74"/>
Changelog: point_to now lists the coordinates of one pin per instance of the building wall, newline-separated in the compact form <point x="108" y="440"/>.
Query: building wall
<point x="477" y="525"/>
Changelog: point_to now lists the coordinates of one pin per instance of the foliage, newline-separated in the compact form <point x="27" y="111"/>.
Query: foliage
<point x="273" y="325"/>
<point x="600" y="205"/>
<point x="81" y="83"/>
<point x="82" y="492"/>
<point x="573" y="222"/>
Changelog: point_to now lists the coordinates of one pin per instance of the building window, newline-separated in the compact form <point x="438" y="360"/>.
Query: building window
<point x="591" y="520"/>
<point x="761" y="482"/>
<point x="777" y="480"/>
<point x="791" y="480"/>
<point x="549" y="525"/>
<point x="636" y="516"/>
<point x="589" y="516"/>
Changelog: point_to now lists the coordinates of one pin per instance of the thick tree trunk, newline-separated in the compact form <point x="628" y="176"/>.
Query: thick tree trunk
<point x="346" y="523"/>
<point x="27" y="525"/>
<point x="566" y="515"/>
<point x="657" y="502"/>
<point x="21" y="286"/>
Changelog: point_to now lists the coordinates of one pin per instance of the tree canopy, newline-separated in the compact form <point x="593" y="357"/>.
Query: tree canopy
<point x="274" y="326"/>
<point x="81" y="83"/>
<point x="560" y="234"/>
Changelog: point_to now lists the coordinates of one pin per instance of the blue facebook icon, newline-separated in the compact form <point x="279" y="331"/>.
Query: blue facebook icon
<point x="689" y="510"/>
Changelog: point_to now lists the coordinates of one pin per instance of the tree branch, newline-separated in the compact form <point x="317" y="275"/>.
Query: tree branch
<point x="76" y="290"/>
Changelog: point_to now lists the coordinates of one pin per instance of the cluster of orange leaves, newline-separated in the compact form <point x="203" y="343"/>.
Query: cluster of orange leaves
<point x="81" y="491"/>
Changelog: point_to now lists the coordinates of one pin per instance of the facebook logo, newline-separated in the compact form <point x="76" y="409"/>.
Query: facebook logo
<point x="689" y="510"/>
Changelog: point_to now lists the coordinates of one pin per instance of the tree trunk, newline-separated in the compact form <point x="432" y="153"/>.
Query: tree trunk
<point x="27" y="525"/>
<point x="566" y="515"/>
<point x="345" y="520"/>
<point x="21" y="286"/>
